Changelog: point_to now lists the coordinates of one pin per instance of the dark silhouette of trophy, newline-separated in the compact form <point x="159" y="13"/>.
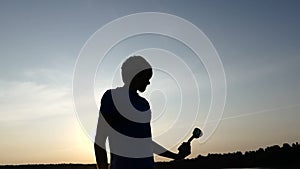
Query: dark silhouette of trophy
<point x="196" y="134"/>
<point x="185" y="148"/>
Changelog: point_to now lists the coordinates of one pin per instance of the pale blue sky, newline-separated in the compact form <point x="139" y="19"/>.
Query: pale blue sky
<point x="258" y="43"/>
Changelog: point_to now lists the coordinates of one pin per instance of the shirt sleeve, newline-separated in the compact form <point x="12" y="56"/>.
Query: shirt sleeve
<point x="106" y="106"/>
<point x="102" y="130"/>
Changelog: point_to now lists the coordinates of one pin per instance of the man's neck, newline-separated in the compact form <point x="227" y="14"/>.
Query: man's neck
<point x="130" y="89"/>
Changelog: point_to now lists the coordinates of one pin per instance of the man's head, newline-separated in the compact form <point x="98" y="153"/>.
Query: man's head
<point x="136" y="73"/>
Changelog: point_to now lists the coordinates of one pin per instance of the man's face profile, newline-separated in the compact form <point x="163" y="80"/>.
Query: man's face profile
<point x="141" y="80"/>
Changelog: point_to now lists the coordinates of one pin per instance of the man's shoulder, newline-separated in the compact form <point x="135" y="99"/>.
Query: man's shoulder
<point x="120" y="93"/>
<point x="106" y="95"/>
<point x="108" y="92"/>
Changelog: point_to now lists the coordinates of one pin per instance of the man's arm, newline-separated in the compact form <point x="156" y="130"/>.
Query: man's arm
<point x="99" y="145"/>
<point x="159" y="150"/>
<point x="101" y="157"/>
<point x="102" y="131"/>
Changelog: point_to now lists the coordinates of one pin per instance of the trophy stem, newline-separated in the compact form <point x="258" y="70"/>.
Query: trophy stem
<point x="190" y="139"/>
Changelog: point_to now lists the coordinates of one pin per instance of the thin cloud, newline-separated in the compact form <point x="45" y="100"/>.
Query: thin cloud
<point x="29" y="100"/>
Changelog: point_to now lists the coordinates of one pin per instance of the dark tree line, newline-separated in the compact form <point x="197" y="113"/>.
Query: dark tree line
<point x="50" y="166"/>
<point x="286" y="156"/>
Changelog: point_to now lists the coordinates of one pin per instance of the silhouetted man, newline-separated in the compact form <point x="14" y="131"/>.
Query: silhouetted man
<point x="124" y="120"/>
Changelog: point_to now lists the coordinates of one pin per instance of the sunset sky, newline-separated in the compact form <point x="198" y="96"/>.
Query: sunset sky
<point x="257" y="41"/>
